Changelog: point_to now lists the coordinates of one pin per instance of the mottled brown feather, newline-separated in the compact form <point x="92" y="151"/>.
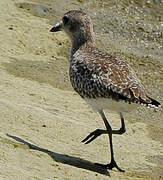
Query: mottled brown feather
<point x="95" y="73"/>
<point x="109" y="72"/>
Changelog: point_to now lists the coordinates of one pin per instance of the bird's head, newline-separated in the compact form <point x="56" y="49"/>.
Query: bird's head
<point x="77" y="24"/>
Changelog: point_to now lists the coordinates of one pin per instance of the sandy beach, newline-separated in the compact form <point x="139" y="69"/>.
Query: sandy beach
<point x="43" y="121"/>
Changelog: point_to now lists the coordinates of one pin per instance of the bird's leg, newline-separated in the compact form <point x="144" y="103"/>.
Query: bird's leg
<point x="113" y="163"/>
<point x="93" y="135"/>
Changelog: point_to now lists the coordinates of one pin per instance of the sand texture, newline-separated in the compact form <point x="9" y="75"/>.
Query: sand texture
<point x="43" y="120"/>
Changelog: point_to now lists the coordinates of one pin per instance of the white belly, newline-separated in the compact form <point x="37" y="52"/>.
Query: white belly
<point x="110" y="105"/>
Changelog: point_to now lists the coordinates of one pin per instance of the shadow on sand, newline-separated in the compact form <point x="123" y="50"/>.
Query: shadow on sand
<point x="65" y="159"/>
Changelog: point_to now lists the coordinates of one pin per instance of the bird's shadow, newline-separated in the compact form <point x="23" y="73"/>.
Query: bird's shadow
<point x="65" y="159"/>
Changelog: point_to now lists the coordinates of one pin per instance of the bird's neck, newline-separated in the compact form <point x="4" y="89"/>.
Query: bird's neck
<point x="80" y="40"/>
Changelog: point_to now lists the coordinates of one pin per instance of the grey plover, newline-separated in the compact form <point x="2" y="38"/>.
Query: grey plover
<point x="103" y="80"/>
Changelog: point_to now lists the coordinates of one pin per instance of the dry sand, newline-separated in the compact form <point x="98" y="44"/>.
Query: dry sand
<point x="43" y="121"/>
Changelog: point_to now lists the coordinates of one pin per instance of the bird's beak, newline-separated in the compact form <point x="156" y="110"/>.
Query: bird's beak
<point x="57" y="27"/>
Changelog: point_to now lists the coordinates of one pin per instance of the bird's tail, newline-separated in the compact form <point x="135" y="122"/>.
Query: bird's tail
<point x="153" y="103"/>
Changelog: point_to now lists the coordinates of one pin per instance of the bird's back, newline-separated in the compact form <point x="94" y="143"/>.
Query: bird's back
<point x="96" y="74"/>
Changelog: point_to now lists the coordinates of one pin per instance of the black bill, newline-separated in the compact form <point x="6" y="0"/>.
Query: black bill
<point x="57" y="27"/>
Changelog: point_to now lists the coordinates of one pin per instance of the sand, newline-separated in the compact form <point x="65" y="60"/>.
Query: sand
<point x="43" y="120"/>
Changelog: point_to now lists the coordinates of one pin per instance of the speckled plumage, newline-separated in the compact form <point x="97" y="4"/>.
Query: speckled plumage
<point x="96" y="74"/>
<point x="93" y="72"/>
<point x="103" y="80"/>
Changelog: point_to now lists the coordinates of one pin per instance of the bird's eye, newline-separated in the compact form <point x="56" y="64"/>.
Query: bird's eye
<point x="65" y="19"/>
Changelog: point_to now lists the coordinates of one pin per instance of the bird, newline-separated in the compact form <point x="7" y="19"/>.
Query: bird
<point x="103" y="80"/>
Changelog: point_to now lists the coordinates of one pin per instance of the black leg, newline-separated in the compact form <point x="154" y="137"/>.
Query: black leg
<point x="93" y="135"/>
<point x="113" y="163"/>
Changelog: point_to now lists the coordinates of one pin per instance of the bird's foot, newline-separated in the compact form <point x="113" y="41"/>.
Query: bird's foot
<point x="93" y="135"/>
<point x="111" y="165"/>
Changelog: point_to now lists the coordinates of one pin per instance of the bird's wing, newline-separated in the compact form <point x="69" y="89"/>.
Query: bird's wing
<point x="110" y="74"/>
<point x="121" y="78"/>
